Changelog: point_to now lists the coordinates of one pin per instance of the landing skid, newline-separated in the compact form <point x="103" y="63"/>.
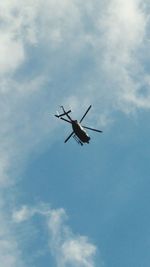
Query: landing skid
<point x="77" y="140"/>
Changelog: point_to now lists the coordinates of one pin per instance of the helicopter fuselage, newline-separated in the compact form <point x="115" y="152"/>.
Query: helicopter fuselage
<point x="80" y="132"/>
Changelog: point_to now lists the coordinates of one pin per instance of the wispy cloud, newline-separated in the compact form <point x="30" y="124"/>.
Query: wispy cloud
<point x="65" y="246"/>
<point x="10" y="253"/>
<point x="125" y="33"/>
<point x="105" y="43"/>
<point x="71" y="52"/>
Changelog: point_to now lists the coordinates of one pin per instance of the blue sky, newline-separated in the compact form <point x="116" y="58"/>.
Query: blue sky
<point x="62" y="204"/>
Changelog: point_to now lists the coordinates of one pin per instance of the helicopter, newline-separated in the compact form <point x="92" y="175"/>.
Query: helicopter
<point x="79" y="133"/>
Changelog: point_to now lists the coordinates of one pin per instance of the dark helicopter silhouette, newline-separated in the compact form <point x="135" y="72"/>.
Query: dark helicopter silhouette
<point x="79" y="133"/>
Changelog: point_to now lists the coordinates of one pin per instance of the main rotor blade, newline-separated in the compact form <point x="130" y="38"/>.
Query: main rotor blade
<point x="85" y="113"/>
<point x="65" y="120"/>
<point x="68" y="137"/>
<point x="92" y="129"/>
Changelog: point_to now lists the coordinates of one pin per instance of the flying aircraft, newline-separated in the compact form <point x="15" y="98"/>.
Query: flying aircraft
<point x="79" y="133"/>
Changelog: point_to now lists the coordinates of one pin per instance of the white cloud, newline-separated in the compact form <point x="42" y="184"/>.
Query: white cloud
<point x="78" y="252"/>
<point x="123" y="25"/>
<point x="10" y="253"/>
<point x="12" y="53"/>
<point x="66" y="247"/>
<point x="12" y="48"/>
<point x="112" y="35"/>
<point x="22" y="215"/>
<point x="10" y="256"/>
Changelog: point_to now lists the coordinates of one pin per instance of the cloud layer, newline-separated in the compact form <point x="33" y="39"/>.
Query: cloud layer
<point x="73" y="52"/>
<point x="68" y="249"/>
